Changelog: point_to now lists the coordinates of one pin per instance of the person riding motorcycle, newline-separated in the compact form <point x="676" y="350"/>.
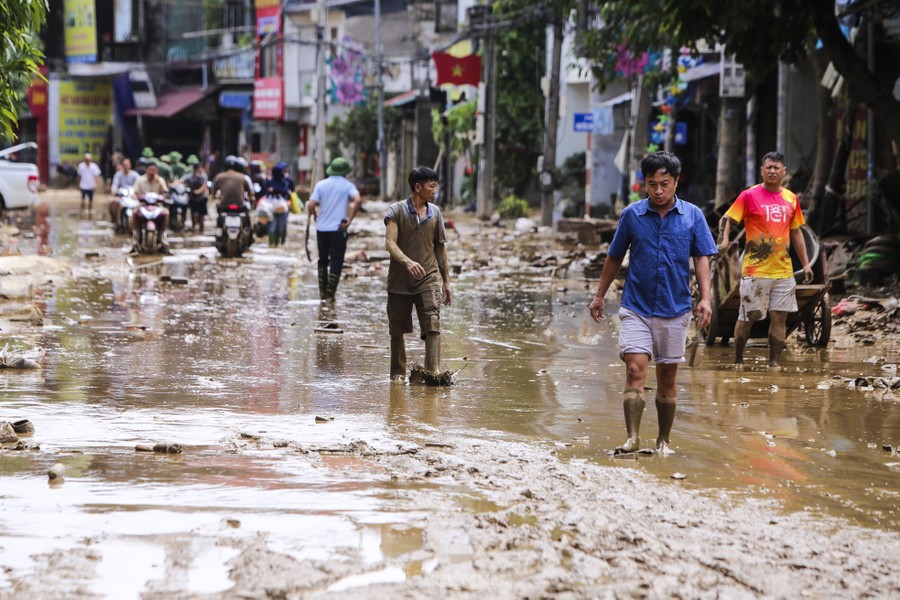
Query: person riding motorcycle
<point x="233" y="187"/>
<point x="151" y="182"/>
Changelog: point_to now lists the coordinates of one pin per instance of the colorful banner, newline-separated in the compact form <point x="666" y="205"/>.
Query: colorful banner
<point x="85" y="110"/>
<point x="80" y="31"/>
<point x="268" y="87"/>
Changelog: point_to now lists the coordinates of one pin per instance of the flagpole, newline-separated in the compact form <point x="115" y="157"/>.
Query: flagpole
<point x="382" y="149"/>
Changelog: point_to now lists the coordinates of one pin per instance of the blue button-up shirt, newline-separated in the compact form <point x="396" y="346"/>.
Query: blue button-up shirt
<point x="659" y="269"/>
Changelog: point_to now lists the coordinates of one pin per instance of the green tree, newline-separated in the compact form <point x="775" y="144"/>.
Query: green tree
<point x="20" y="56"/>
<point x="520" y="103"/>
<point x="357" y="133"/>
<point x="759" y="34"/>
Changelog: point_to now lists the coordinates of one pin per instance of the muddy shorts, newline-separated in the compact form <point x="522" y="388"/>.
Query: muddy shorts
<point x="759" y="295"/>
<point x="663" y="340"/>
<point x="428" y="309"/>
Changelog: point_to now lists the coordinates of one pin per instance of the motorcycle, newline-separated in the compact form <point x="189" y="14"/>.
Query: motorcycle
<point x="233" y="233"/>
<point x="128" y="203"/>
<point x="178" y="206"/>
<point x="148" y="237"/>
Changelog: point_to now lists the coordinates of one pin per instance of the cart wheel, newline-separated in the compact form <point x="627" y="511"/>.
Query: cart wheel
<point x="818" y="325"/>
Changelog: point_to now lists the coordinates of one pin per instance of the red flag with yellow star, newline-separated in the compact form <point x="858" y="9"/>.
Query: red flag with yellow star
<point x="457" y="70"/>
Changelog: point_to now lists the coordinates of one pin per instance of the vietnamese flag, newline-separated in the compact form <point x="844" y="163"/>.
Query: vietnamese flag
<point x="457" y="70"/>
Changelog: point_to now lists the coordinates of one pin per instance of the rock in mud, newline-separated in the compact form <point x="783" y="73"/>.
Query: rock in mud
<point x="7" y="433"/>
<point x="57" y="472"/>
<point x="11" y="360"/>
<point x="23" y="427"/>
<point x="160" y="448"/>
<point x="419" y="375"/>
<point x="164" y="448"/>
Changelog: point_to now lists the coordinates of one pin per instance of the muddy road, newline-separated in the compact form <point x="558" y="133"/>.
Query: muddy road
<point x="305" y="473"/>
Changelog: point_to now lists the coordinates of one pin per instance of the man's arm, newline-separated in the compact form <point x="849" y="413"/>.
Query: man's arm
<point x="704" y="309"/>
<point x="611" y="267"/>
<point x="390" y="244"/>
<point x="724" y="233"/>
<point x="440" y="252"/>
<point x="355" y="201"/>
<point x="799" y="245"/>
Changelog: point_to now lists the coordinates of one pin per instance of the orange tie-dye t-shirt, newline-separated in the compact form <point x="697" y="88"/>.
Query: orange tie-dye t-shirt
<point x="768" y="220"/>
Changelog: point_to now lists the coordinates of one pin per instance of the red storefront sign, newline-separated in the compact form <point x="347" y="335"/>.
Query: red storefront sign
<point x="268" y="98"/>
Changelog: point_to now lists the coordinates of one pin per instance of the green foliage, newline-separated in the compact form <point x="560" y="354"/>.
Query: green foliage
<point x="20" y="56"/>
<point x="571" y="175"/>
<point x="358" y="133"/>
<point x="460" y="122"/>
<point x="520" y="103"/>
<point x="758" y="33"/>
<point x="512" y="207"/>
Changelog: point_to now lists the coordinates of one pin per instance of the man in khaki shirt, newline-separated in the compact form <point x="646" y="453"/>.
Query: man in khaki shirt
<point x="418" y="275"/>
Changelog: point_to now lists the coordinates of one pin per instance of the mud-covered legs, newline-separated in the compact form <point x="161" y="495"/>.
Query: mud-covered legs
<point x="636" y="367"/>
<point x="398" y="357"/>
<point x="777" y="335"/>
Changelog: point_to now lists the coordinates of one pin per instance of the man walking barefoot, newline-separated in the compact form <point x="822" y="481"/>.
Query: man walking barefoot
<point x="772" y="217"/>
<point x="662" y="233"/>
<point x="418" y="274"/>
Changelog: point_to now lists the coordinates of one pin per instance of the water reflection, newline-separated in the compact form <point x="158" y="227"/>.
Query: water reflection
<point x="198" y="350"/>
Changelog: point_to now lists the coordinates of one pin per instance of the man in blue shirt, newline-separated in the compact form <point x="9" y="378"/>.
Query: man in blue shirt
<point x="328" y="204"/>
<point x="663" y="233"/>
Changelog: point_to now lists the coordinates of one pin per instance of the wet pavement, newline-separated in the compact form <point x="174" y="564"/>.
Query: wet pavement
<point x="220" y="356"/>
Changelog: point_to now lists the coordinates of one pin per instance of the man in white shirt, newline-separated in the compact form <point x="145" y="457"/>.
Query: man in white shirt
<point x="329" y="205"/>
<point x="88" y="178"/>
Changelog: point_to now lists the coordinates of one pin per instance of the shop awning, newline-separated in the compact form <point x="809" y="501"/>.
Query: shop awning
<point x="173" y="102"/>
<point x="404" y="98"/>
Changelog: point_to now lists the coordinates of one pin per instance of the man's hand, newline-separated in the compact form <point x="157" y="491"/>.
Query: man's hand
<point x="703" y="313"/>
<point x="596" y="307"/>
<point x="344" y="225"/>
<point x="448" y="294"/>
<point x="415" y="269"/>
<point x="807" y="274"/>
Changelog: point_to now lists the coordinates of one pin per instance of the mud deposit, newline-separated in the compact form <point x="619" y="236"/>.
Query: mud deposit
<point x="304" y="472"/>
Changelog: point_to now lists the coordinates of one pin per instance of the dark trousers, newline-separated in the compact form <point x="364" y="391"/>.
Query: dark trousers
<point x="332" y="247"/>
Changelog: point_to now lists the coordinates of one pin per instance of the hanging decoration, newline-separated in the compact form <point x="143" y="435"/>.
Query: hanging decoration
<point x="347" y="67"/>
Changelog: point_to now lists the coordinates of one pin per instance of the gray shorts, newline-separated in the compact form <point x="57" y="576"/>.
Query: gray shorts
<point x="759" y="295"/>
<point x="663" y="340"/>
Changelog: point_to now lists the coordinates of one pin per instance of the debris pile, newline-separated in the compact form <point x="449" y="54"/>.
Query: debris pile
<point x="867" y="318"/>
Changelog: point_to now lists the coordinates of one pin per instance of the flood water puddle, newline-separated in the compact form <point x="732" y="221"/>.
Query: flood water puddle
<point x="230" y="356"/>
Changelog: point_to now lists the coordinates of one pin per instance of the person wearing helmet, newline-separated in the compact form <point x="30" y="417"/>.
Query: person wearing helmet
<point x="232" y="187"/>
<point x="179" y="169"/>
<point x="279" y="189"/>
<point x="334" y="203"/>
<point x="151" y="182"/>
<point x="198" y="183"/>
<point x="165" y="167"/>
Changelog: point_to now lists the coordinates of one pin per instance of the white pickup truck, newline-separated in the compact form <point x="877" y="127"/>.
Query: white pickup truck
<point x="18" y="181"/>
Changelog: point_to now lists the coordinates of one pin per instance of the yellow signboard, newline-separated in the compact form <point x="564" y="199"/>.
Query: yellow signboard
<point x="81" y="31"/>
<point x="85" y="113"/>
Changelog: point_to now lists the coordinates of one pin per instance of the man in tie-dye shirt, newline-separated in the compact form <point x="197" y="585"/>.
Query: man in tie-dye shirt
<point x="772" y="219"/>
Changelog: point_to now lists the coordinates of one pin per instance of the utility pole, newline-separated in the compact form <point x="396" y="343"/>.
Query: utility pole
<point x="321" y="49"/>
<point x="485" y="197"/>
<point x="380" y="145"/>
<point x="551" y="123"/>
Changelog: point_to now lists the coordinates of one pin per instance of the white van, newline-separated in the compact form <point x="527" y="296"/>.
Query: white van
<point x="19" y="182"/>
